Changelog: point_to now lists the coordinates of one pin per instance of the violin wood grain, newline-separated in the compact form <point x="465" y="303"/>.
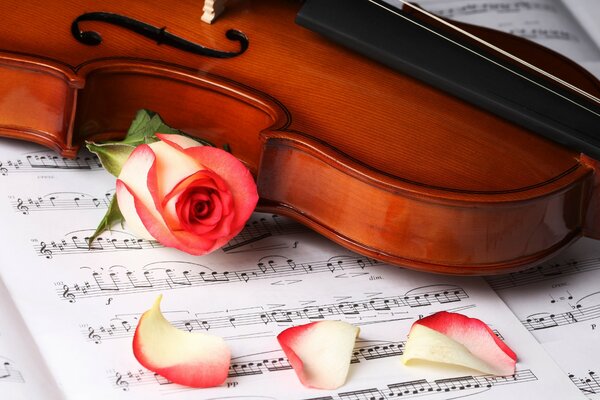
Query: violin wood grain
<point x="376" y="161"/>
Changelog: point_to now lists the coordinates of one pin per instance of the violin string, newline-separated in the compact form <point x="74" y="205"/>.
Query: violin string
<point x="495" y="48"/>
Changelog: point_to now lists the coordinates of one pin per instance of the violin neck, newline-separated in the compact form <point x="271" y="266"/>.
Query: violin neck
<point x="410" y="44"/>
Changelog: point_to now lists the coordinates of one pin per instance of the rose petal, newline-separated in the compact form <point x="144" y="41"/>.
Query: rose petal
<point x="239" y="179"/>
<point x="156" y="226"/>
<point x="453" y="338"/>
<point x="320" y="352"/>
<point x="138" y="175"/>
<point x="184" y="241"/>
<point x="140" y="171"/>
<point x="183" y="142"/>
<point x="203" y="178"/>
<point x="186" y="358"/>
<point x="126" y="203"/>
<point x="172" y="166"/>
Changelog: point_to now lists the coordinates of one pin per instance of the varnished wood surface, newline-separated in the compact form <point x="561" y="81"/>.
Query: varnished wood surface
<point x="377" y="161"/>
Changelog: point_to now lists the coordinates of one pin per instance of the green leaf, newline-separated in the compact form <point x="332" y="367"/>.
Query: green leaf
<point x="141" y="126"/>
<point x="144" y="127"/>
<point x="113" y="215"/>
<point x="111" y="155"/>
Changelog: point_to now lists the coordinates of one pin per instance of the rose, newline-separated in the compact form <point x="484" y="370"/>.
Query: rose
<point x="185" y="195"/>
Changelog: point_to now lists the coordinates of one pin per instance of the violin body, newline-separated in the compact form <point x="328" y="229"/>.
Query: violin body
<point x="372" y="159"/>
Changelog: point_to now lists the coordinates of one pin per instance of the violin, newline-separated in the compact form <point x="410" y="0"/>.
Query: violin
<point x="378" y="161"/>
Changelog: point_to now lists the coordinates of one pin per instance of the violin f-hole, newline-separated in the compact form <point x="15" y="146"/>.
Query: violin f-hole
<point x="160" y="35"/>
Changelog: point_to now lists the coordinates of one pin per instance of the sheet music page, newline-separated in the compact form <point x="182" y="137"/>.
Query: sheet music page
<point x="587" y="13"/>
<point x="547" y="22"/>
<point x="559" y="303"/>
<point x="81" y="306"/>
<point x="23" y="372"/>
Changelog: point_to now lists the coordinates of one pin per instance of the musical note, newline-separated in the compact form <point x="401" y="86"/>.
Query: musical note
<point x="77" y="243"/>
<point x="9" y="374"/>
<point x="544" y="34"/>
<point x="546" y="320"/>
<point x="260" y="228"/>
<point x="421" y="387"/>
<point x="543" y="272"/>
<point x="244" y="366"/>
<point x="126" y="326"/>
<point x="294" y="315"/>
<point x="173" y="275"/>
<point x="44" y="160"/>
<point x="501" y="7"/>
<point x="590" y="384"/>
<point x="62" y="201"/>
<point x="6" y="373"/>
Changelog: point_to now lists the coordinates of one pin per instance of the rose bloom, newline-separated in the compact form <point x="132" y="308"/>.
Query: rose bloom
<point x="185" y="195"/>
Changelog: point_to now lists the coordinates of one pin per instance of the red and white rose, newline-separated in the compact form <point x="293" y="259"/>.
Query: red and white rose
<point x="185" y="195"/>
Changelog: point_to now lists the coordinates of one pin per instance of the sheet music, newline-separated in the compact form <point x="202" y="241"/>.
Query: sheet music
<point x="587" y="13"/>
<point x="547" y="22"/>
<point x="559" y="303"/>
<point x="585" y="375"/>
<point x="82" y="306"/>
<point x="23" y="373"/>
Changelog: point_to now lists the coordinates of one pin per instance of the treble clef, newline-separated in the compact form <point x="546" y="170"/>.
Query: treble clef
<point x="67" y="294"/>
<point x="22" y="207"/>
<point x="44" y="251"/>
<point x="122" y="383"/>
<point x="3" y="170"/>
<point x="94" y="336"/>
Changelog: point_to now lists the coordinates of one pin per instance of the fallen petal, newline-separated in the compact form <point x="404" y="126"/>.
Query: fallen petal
<point x="320" y="352"/>
<point x="453" y="338"/>
<point x="186" y="358"/>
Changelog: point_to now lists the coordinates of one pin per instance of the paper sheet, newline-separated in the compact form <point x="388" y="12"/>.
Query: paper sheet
<point x="23" y="373"/>
<point x="82" y="306"/>
<point x="559" y="303"/>
<point x="587" y="13"/>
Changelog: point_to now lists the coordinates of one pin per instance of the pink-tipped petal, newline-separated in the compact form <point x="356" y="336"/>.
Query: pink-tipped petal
<point x="320" y="352"/>
<point x="453" y="338"/>
<point x="191" y="359"/>
<point x="139" y="176"/>
<point x="183" y="142"/>
<point x="184" y="241"/>
<point x="203" y="179"/>
<point x="231" y="170"/>
<point x="172" y="166"/>
<point x="126" y="203"/>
